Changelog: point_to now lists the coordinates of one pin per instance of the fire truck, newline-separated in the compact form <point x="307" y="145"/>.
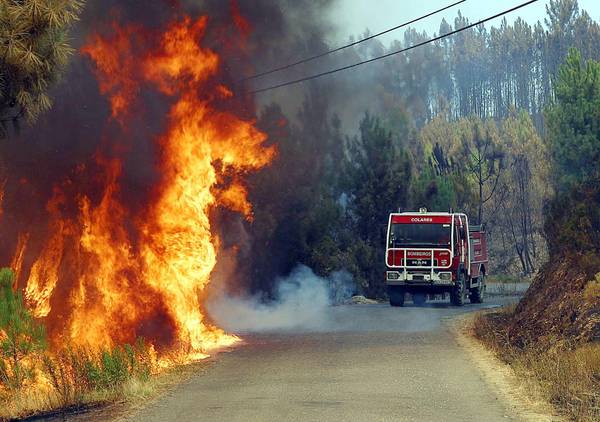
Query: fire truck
<point x="432" y="253"/>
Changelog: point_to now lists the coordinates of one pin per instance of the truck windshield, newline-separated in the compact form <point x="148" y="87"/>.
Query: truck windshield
<point x="402" y="235"/>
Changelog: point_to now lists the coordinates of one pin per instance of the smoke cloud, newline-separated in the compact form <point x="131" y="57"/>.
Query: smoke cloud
<point x="302" y="302"/>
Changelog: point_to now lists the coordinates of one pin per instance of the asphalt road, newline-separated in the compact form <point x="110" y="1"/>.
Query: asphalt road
<point x="369" y="363"/>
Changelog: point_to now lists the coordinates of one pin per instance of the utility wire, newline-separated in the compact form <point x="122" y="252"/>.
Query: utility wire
<point x="318" y="56"/>
<point x="456" y="31"/>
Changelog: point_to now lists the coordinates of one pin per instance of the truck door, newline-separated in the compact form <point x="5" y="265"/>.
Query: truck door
<point x="461" y="243"/>
<point x="465" y="243"/>
<point x="456" y="237"/>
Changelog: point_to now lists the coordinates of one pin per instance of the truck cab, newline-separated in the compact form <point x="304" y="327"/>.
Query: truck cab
<point x="431" y="254"/>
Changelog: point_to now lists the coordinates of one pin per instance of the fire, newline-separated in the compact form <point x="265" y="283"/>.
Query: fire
<point x="44" y="273"/>
<point x="120" y="273"/>
<point x="118" y="63"/>
<point x="180" y="250"/>
<point x="17" y="261"/>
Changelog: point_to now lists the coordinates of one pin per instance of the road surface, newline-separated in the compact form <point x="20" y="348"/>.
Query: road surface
<point x="369" y="363"/>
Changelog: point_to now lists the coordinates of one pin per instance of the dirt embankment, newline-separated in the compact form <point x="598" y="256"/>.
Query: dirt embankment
<point x="561" y="305"/>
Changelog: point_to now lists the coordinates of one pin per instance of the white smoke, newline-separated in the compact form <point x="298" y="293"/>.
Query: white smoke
<point x="302" y="302"/>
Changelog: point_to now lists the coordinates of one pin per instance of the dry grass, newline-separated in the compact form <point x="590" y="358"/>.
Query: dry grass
<point x="32" y="402"/>
<point x="21" y="403"/>
<point x="568" y="376"/>
<point x="76" y="378"/>
<point x="591" y="292"/>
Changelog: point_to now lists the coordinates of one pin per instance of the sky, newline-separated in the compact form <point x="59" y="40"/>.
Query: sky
<point x="378" y="15"/>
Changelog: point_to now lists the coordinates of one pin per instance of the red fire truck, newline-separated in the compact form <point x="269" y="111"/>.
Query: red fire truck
<point x="430" y="253"/>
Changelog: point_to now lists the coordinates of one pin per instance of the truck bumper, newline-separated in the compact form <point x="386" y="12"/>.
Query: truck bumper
<point x="405" y="278"/>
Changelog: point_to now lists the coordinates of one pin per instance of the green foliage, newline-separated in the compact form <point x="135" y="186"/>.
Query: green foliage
<point x="114" y="367"/>
<point x="20" y="335"/>
<point x="434" y="191"/>
<point x="573" y="217"/>
<point x="140" y="359"/>
<point x="33" y="50"/>
<point x="574" y="122"/>
<point x="476" y="99"/>
<point x="77" y="372"/>
<point x="111" y="369"/>
<point x="298" y="218"/>
<point x="377" y="181"/>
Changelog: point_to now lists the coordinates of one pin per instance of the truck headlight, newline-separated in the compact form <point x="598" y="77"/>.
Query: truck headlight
<point x="446" y="276"/>
<point x="393" y="275"/>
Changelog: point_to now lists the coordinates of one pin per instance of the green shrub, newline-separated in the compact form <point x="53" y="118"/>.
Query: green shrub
<point x="68" y="373"/>
<point x="139" y="359"/>
<point x="75" y="372"/>
<point x="110" y="371"/>
<point x="22" y="335"/>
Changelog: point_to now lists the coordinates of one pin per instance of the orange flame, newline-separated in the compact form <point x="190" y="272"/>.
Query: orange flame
<point x="17" y="261"/>
<point x="117" y="62"/>
<point x="44" y="273"/>
<point x="128" y="280"/>
<point x="240" y="21"/>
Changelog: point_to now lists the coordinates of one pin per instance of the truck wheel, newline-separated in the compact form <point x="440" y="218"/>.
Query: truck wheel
<point x="457" y="294"/>
<point x="477" y="294"/>
<point x="419" y="299"/>
<point x="396" y="294"/>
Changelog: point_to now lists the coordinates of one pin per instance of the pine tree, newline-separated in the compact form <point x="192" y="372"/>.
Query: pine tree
<point x="378" y="180"/>
<point x="573" y="218"/>
<point x="574" y="122"/>
<point x="20" y="334"/>
<point x="33" y="51"/>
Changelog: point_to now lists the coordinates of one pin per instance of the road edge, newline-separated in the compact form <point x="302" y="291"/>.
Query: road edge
<point x="508" y="386"/>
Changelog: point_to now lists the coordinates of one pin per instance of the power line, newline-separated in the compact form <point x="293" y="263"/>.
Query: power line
<point x="456" y="31"/>
<point x="308" y="59"/>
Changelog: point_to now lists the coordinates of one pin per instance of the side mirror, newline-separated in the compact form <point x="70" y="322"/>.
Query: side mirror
<point x="462" y="233"/>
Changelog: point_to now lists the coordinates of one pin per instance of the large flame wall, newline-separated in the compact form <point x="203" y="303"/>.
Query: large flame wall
<point x="109" y="268"/>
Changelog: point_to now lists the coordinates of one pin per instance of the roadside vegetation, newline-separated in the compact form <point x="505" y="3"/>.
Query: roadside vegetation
<point x="35" y="380"/>
<point x="565" y="374"/>
<point x="553" y="335"/>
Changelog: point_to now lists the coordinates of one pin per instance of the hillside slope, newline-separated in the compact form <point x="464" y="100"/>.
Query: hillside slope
<point x="561" y="305"/>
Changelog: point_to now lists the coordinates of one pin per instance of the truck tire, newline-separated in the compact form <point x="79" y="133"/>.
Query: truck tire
<point x="396" y="295"/>
<point x="457" y="294"/>
<point x="419" y="299"/>
<point x="476" y="295"/>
